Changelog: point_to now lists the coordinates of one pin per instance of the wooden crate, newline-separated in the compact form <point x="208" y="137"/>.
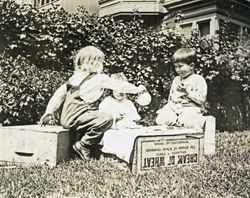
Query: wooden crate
<point x="34" y="144"/>
<point x="176" y="147"/>
<point x="163" y="151"/>
<point x="209" y="138"/>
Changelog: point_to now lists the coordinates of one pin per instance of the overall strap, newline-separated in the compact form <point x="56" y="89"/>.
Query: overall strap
<point x="87" y="78"/>
<point x="69" y="86"/>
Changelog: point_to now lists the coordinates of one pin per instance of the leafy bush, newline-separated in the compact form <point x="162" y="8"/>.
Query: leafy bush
<point x="226" y="66"/>
<point x="25" y="90"/>
<point x="49" y="40"/>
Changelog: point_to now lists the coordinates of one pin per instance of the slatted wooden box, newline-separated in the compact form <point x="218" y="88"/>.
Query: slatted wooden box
<point x="35" y="144"/>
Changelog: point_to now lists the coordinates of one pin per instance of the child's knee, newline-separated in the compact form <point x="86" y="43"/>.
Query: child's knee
<point x="159" y="119"/>
<point x="166" y="117"/>
<point x="191" y="118"/>
<point x="109" y="118"/>
<point x="165" y="120"/>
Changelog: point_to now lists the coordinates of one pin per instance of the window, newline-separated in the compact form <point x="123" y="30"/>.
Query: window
<point x="246" y="30"/>
<point x="204" y="28"/>
<point x="46" y="2"/>
<point x="186" y="29"/>
<point x="36" y="3"/>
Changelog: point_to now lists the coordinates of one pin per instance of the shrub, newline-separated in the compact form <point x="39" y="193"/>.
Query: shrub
<point x="25" y="90"/>
<point x="48" y="41"/>
<point x="226" y="66"/>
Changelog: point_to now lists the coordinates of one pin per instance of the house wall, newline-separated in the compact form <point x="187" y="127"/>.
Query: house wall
<point x="127" y="7"/>
<point x="203" y="15"/>
<point x="160" y="13"/>
<point x="71" y="6"/>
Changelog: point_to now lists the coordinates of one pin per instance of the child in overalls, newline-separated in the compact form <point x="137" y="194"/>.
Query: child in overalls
<point x="79" y="96"/>
<point x="187" y="94"/>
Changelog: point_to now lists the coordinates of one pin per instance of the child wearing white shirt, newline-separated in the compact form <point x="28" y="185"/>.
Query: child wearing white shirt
<point x="187" y="94"/>
<point x="123" y="110"/>
<point x="79" y="95"/>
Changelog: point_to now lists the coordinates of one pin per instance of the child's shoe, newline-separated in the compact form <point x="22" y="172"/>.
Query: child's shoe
<point x="82" y="150"/>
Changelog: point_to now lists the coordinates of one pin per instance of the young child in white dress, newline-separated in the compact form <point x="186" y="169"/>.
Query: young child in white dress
<point x="187" y="94"/>
<point x="122" y="109"/>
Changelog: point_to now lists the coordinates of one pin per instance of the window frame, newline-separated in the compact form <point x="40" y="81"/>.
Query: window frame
<point x="208" y="21"/>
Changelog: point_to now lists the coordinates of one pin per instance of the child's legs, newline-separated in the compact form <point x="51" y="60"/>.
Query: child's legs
<point x="92" y="125"/>
<point x="166" y="116"/>
<point x="191" y="117"/>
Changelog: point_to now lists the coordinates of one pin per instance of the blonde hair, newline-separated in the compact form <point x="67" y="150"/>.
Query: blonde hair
<point x="89" y="59"/>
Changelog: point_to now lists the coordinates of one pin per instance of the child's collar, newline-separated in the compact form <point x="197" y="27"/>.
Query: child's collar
<point x="187" y="75"/>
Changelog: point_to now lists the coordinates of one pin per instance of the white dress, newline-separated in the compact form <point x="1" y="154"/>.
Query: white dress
<point x="116" y="108"/>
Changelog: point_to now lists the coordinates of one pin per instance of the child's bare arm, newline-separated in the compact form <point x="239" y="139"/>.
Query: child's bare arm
<point x="122" y="86"/>
<point x="53" y="105"/>
<point x="57" y="99"/>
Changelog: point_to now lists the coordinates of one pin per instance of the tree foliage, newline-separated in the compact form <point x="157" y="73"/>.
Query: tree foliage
<point x="48" y="40"/>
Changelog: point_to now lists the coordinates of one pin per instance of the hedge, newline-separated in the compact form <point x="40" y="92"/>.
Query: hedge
<point x="48" y="40"/>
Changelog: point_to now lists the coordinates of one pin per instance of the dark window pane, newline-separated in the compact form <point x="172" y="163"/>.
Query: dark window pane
<point x="204" y="28"/>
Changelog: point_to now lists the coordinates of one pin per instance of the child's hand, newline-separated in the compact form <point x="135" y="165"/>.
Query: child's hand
<point x="182" y="88"/>
<point x="47" y="119"/>
<point x="142" y="88"/>
<point x="119" y="117"/>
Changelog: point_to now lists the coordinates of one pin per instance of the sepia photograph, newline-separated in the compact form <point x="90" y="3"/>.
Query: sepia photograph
<point x="124" y="99"/>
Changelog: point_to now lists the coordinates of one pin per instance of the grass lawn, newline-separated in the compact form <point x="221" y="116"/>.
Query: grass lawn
<point x="227" y="174"/>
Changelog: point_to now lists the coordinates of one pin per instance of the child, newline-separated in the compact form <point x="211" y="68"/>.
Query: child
<point x="122" y="109"/>
<point x="79" y="96"/>
<point x="187" y="94"/>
